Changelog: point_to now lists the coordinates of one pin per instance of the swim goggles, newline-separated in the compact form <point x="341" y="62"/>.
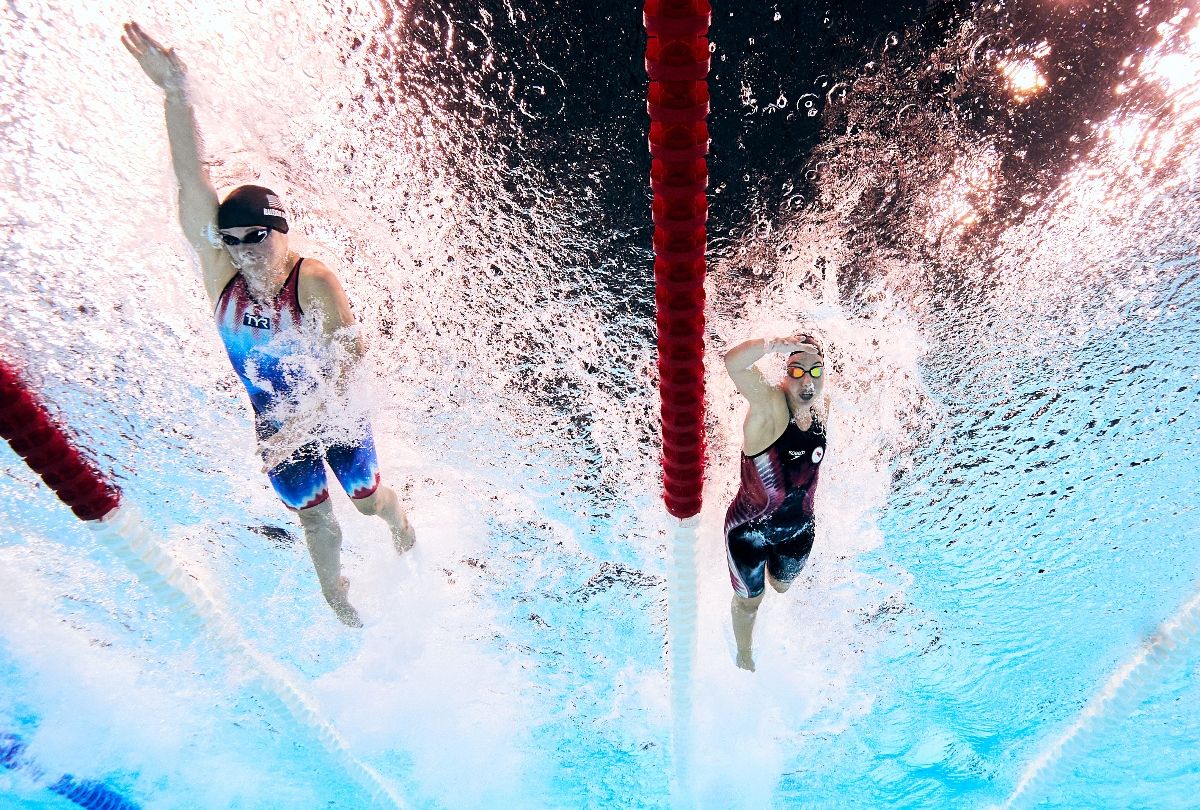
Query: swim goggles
<point x="798" y="372"/>
<point x="251" y="238"/>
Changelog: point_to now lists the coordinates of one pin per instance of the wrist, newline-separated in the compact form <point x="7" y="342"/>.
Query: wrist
<point x="176" y="91"/>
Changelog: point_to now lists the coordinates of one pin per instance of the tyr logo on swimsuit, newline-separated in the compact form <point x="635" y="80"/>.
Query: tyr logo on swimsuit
<point x="256" y="321"/>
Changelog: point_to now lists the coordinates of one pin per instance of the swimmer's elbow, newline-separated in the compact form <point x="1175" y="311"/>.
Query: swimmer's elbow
<point x="735" y="359"/>
<point x="743" y="356"/>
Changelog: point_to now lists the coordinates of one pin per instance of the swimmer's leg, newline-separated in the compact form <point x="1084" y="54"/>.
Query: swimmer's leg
<point x="747" y="557"/>
<point x="384" y="503"/>
<point x="744" y="612"/>
<point x="324" y="539"/>
<point x="780" y="587"/>
<point x="786" y="560"/>
<point x="357" y="469"/>
<point x="300" y="483"/>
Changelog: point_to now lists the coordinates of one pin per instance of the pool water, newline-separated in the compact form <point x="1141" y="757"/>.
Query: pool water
<point x="997" y="242"/>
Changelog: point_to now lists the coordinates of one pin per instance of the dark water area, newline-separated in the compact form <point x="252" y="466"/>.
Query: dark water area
<point x="575" y="72"/>
<point x="886" y="92"/>
<point x="829" y="123"/>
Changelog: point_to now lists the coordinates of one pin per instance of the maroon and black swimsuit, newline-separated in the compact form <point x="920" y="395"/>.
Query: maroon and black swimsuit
<point x="770" y="522"/>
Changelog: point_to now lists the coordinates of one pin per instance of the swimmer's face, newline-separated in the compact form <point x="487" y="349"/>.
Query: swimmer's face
<point x="806" y="387"/>
<point x="255" y="249"/>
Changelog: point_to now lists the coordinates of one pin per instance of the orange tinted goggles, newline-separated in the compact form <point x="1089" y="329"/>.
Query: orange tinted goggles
<point x="797" y="372"/>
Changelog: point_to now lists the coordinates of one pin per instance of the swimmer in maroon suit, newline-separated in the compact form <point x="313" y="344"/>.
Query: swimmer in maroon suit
<point x="769" y="528"/>
<point x="274" y="311"/>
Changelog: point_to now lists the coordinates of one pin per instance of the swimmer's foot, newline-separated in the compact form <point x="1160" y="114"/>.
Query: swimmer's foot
<point x="341" y="605"/>
<point x="745" y="661"/>
<point x="403" y="535"/>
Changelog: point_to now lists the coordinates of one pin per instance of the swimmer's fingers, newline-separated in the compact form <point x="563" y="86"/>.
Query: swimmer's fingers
<point x="273" y="454"/>
<point x="276" y="450"/>
<point x="137" y="37"/>
<point x="129" y="46"/>
<point x="131" y="36"/>
<point x="162" y="65"/>
<point x="137" y="41"/>
<point x="801" y="343"/>
<point x="788" y="345"/>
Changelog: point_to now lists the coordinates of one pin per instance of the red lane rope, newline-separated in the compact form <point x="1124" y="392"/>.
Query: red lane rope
<point x="677" y="62"/>
<point x="49" y="451"/>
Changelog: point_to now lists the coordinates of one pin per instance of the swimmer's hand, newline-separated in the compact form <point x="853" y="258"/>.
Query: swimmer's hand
<point x="275" y="450"/>
<point x="162" y="65"/>
<point x="295" y="432"/>
<point x="795" y="343"/>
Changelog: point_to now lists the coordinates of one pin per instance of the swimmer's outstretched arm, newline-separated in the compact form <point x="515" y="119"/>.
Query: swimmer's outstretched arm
<point x="197" y="196"/>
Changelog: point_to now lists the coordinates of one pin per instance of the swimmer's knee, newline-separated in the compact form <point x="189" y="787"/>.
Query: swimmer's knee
<point x="368" y="505"/>
<point x="371" y="504"/>
<point x="780" y="587"/>
<point x="318" y="515"/>
<point x="747" y="604"/>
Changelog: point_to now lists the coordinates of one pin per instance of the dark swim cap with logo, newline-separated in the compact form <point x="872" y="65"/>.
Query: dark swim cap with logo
<point x="252" y="205"/>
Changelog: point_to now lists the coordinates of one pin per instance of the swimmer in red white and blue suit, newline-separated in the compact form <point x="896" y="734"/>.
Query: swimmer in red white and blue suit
<point x="287" y="327"/>
<point x="770" y="526"/>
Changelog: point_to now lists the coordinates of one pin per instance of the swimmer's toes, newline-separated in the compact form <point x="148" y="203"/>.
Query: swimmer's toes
<point x="349" y="616"/>
<point x="342" y="607"/>
<point x="404" y="538"/>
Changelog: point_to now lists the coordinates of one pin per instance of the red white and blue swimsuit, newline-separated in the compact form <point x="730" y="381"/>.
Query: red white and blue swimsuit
<point x="770" y="522"/>
<point x="267" y="350"/>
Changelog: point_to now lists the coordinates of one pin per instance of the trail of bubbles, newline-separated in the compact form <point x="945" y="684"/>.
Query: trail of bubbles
<point x="124" y="533"/>
<point x="681" y="600"/>
<point x="1119" y="695"/>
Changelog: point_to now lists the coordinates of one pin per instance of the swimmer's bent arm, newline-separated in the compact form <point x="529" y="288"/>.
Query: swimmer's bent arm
<point x="197" y="196"/>
<point x="740" y="360"/>
<point x="321" y="294"/>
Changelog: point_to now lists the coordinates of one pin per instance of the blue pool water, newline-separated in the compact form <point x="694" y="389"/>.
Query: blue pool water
<point x="1006" y="517"/>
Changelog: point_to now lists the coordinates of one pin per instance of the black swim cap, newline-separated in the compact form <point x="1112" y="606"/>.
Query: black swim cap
<point x="252" y="205"/>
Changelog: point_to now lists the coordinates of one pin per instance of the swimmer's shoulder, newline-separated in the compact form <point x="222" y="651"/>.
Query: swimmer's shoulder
<point x="319" y="286"/>
<point x="316" y="273"/>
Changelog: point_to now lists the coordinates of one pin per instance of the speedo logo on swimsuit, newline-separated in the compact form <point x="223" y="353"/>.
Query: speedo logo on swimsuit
<point x="817" y="454"/>
<point x="256" y="321"/>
